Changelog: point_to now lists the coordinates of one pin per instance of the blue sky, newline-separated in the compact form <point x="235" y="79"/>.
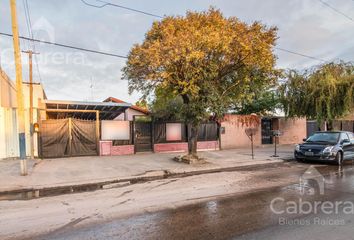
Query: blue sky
<point x="305" y="26"/>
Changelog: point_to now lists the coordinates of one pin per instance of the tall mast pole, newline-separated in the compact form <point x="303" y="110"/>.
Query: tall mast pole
<point x="30" y="57"/>
<point x="20" y="107"/>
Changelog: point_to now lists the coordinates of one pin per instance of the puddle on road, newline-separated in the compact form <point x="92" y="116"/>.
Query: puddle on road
<point x="28" y="195"/>
<point x="330" y="172"/>
<point x="14" y="196"/>
<point x="299" y="189"/>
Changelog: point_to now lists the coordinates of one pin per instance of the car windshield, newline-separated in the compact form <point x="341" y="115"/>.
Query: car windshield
<point x="324" y="137"/>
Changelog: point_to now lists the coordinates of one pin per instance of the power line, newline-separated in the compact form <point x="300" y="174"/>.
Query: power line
<point x="299" y="54"/>
<point x="26" y="17"/>
<point x="29" y="23"/>
<point x="66" y="46"/>
<point x="336" y="10"/>
<point x="121" y="56"/>
<point x="30" y="33"/>
<point x="143" y="12"/>
<point x="119" y="6"/>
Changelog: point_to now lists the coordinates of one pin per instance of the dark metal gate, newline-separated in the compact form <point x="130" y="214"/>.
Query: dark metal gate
<point x="311" y="128"/>
<point x="83" y="138"/>
<point x="267" y="136"/>
<point x="67" y="137"/>
<point x="54" y="138"/>
<point x="143" y="136"/>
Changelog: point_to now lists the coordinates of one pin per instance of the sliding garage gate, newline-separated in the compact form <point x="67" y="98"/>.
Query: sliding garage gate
<point x="68" y="137"/>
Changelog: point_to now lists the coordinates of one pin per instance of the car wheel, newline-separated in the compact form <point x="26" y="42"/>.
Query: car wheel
<point x="339" y="159"/>
<point x="297" y="158"/>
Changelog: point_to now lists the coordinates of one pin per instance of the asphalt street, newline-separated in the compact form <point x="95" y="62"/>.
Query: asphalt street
<point x="268" y="213"/>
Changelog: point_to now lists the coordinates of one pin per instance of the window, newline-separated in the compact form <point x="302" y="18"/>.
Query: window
<point x="343" y="136"/>
<point x="331" y="137"/>
<point x="351" y="136"/>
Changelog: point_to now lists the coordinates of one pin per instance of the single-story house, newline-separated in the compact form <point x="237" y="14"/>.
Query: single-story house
<point x="130" y="112"/>
<point x="9" y="142"/>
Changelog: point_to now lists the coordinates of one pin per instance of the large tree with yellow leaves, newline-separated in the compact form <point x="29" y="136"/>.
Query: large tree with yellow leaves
<point x="207" y="60"/>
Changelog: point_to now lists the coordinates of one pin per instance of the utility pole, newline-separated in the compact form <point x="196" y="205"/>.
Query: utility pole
<point x="20" y="108"/>
<point x="30" y="54"/>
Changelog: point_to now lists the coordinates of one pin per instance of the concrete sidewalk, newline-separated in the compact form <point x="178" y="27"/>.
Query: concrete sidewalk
<point x="80" y="171"/>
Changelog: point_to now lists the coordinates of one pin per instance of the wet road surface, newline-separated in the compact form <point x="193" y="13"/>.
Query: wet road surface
<point x="242" y="216"/>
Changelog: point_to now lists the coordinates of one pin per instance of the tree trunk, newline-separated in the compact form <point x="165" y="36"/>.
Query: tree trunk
<point x="330" y="125"/>
<point x="192" y="139"/>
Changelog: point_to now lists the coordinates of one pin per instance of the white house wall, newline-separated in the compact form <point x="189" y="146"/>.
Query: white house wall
<point x="9" y="134"/>
<point x="9" y="146"/>
<point x="8" y="120"/>
<point x="2" y="133"/>
<point x="129" y="114"/>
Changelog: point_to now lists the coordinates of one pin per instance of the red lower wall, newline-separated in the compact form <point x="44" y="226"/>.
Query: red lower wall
<point x="107" y="149"/>
<point x="183" y="146"/>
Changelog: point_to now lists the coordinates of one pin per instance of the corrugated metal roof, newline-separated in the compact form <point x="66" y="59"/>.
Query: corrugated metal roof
<point x="57" y="109"/>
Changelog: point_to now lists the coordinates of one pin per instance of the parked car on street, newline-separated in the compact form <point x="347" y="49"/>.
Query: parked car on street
<point x="333" y="146"/>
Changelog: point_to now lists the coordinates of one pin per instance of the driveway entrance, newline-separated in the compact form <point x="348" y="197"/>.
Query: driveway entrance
<point x="68" y="137"/>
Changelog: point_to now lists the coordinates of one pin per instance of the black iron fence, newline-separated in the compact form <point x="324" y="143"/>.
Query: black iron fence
<point x="339" y="125"/>
<point x="206" y="132"/>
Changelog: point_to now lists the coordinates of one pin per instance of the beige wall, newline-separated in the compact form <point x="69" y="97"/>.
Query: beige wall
<point x="293" y="131"/>
<point x="235" y="136"/>
<point x="8" y="119"/>
<point x="8" y="116"/>
<point x="7" y="91"/>
<point x="38" y="95"/>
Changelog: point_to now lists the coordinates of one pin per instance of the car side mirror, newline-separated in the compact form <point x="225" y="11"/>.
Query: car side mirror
<point x="345" y="141"/>
<point x="304" y="139"/>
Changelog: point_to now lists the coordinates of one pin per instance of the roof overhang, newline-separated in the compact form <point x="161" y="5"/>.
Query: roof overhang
<point x="57" y="109"/>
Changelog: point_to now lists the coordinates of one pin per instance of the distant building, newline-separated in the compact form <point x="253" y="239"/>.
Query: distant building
<point x="130" y="112"/>
<point x="9" y="146"/>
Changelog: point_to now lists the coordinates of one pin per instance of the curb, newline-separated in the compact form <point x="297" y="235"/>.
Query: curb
<point x="36" y="192"/>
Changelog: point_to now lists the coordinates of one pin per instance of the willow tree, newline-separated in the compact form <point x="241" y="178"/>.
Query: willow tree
<point x="206" y="59"/>
<point x="324" y="93"/>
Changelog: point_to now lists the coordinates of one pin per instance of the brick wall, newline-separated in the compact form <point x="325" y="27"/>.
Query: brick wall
<point x="293" y="130"/>
<point x="122" y="150"/>
<point x="208" y="145"/>
<point x="183" y="146"/>
<point x="171" y="147"/>
<point x="107" y="149"/>
<point x="235" y="136"/>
